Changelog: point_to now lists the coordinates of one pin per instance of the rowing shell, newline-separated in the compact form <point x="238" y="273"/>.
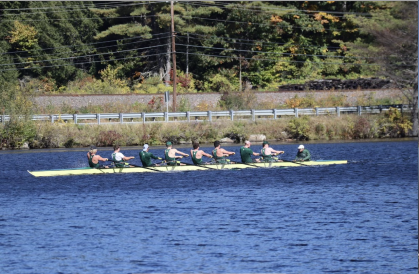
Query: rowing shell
<point x="91" y="171"/>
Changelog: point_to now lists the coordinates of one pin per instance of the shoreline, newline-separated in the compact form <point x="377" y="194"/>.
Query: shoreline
<point x="286" y="130"/>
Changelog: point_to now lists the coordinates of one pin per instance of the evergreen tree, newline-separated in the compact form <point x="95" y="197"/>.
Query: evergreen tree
<point x="46" y="39"/>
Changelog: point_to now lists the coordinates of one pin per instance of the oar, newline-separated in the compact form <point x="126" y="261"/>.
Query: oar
<point x="247" y="164"/>
<point x="187" y="164"/>
<point x="132" y="165"/>
<point x="250" y="164"/>
<point x="294" y="162"/>
<point x="161" y="163"/>
<point x="121" y="162"/>
<point x="229" y="156"/>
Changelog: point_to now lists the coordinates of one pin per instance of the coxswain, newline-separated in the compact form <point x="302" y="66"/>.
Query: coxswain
<point x="220" y="154"/>
<point x="94" y="159"/>
<point x="146" y="157"/>
<point x="267" y="153"/>
<point x="246" y="153"/>
<point x="120" y="159"/>
<point x="170" y="155"/>
<point x="302" y="154"/>
<point x="197" y="154"/>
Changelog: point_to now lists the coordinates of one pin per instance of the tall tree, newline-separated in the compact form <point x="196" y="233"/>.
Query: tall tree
<point x="124" y="35"/>
<point x="392" y="42"/>
<point x="43" y="35"/>
<point x="195" y="25"/>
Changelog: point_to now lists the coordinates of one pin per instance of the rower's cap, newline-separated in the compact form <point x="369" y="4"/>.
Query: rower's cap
<point x="92" y="147"/>
<point x="300" y="147"/>
<point x="265" y="143"/>
<point x="145" y="147"/>
<point x="169" y="143"/>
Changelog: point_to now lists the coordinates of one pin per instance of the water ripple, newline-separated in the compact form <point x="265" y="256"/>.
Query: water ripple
<point x="355" y="218"/>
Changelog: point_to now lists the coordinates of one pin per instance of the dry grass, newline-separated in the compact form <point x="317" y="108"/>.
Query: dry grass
<point x="317" y="128"/>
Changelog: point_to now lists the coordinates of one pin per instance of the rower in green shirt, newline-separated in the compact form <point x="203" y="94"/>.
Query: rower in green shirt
<point x="197" y="154"/>
<point x="170" y="155"/>
<point x="246" y="153"/>
<point x="146" y="157"/>
<point x="302" y="154"/>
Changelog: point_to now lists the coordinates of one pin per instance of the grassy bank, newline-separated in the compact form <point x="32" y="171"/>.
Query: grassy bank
<point x="46" y="135"/>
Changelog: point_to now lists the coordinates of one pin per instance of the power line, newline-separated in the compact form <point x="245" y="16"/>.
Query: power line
<point x="255" y="41"/>
<point x="117" y="3"/>
<point x="79" y="18"/>
<point x="267" y="9"/>
<point x="68" y="46"/>
<point x="269" y="52"/>
<point x="72" y="52"/>
<point x="210" y="55"/>
<point x="73" y="57"/>
<point x="179" y="16"/>
<point x="192" y="46"/>
<point x="99" y="61"/>
<point x="47" y="12"/>
<point x="276" y="60"/>
<point x="85" y="8"/>
<point x="266" y="24"/>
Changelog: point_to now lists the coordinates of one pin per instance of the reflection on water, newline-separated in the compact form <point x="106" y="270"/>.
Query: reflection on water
<point x="359" y="218"/>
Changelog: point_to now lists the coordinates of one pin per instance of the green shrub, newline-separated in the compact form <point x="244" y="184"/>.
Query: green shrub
<point x="299" y="128"/>
<point x="16" y="132"/>
<point x="219" y="83"/>
<point x="238" y="100"/>
<point x="395" y="124"/>
<point x="70" y="143"/>
<point x="184" y="105"/>
<point x="151" y="85"/>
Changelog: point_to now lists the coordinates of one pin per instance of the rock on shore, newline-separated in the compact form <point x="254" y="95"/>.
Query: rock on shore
<point x="257" y="138"/>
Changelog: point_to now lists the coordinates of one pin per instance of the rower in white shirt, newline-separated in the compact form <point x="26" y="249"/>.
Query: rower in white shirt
<point x="120" y="159"/>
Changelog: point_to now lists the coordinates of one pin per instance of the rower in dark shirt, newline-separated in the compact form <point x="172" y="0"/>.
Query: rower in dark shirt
<point x="146" y="157"/>
<point x="302" y="154"/>
<point x="197" y="154"/>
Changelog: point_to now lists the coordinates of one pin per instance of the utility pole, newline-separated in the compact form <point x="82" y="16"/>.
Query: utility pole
<point x="173" y="56"/>
<point x="240" y="74"/>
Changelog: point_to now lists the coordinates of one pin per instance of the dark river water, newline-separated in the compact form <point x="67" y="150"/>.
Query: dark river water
<point x="356" y="218"/>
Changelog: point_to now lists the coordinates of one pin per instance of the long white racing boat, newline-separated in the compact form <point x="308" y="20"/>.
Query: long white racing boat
<point x="91" y="171"/>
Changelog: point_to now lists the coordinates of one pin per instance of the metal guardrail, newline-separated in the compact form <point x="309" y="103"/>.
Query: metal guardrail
<point x="209" y="115"/>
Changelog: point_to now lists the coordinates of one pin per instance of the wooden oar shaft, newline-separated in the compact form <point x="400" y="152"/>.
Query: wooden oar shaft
<point x="295" y="162"/>
<point x="132" y="165"/>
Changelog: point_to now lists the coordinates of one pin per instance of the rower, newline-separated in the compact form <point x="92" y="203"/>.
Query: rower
<point x="267" y="153"/>
<point x="220" y="154"/>
<point x="246" y="153"/>
<point x="94" y="159"/>
<point x="90" y="149"/>
<point x="302" y="154"/>
<point x="197" y="154"/>
<point x="119" y="158"/>
<point x="146" y="157"/>
<point x="170" y="154"/>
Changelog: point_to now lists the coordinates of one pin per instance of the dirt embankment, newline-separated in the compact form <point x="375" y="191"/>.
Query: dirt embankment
<point x="209" y="99"/>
